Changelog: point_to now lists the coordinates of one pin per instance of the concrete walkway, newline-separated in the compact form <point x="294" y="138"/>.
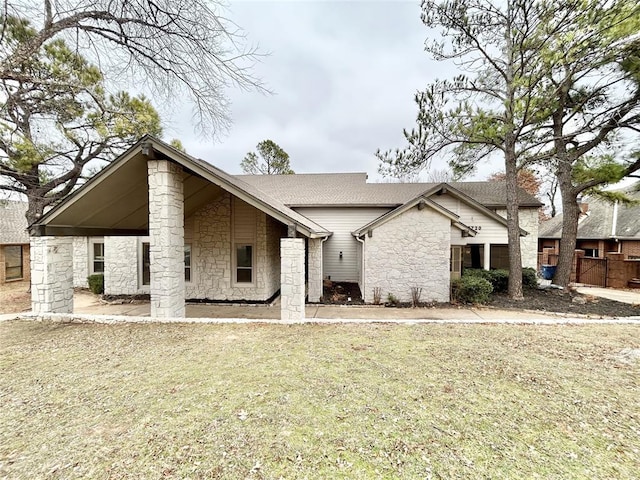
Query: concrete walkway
<point x="626" y="296"/>
<point x="89" y="308"/>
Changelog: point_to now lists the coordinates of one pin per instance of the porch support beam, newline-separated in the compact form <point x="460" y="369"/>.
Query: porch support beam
<point x="292" y="279"/>
<point x="166" y="239"/>
<point x="487" y="256"/>
<point x="52" y="274"/>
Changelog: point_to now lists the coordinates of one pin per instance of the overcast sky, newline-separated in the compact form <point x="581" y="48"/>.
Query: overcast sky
<point x="343" y="74"/>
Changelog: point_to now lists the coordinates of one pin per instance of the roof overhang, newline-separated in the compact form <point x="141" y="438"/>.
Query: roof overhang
<point x="116" y="200"/>
<point x="420" y="202"/>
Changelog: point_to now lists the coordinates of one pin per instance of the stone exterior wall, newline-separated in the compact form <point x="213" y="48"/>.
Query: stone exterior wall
<point x="121" y="266"/>
<point x="529" y="221"/>
<point x="51" y="275"/>
<point x="80" y="262"/>
<point x="314" y="277"/>
<point x="209" y="232"/>
<point x="166" y="239"/>
<point x="411" y="250"/>
<point x="292" y="279"/>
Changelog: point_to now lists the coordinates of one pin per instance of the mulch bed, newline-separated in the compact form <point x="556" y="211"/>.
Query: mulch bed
<point x="543" y="300"/>
<point x="570" y="302"/>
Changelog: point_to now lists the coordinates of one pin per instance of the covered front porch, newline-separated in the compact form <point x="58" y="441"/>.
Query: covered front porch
<point x="202" y="234"/>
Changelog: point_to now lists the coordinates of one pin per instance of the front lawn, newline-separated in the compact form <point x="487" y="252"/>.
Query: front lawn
<point x="318" y="401"/>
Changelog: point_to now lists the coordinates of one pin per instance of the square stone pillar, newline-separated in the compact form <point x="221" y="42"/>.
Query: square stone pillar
<point x="292" y="278"/>
<point x="166" y="239"/>
<point x="52" y="274"/>
<point x="314" y="278"/>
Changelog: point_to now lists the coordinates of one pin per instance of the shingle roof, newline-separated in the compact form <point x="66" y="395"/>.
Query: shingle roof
<point x="598" y="223"/>
<point x="13" y="224"/>
<point x="333" y="189"/>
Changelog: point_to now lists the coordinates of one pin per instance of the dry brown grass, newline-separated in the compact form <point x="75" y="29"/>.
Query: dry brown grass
<point x="318" y="401"/>
<point x="15" y="297"/>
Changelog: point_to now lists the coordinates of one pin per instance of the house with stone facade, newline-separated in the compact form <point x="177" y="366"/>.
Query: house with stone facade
<point x="159" y="221"/>
<point x="14" y="242"/>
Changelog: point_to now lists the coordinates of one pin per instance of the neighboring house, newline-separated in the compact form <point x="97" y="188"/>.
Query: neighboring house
<point x="162" y="222"/>
<point x="14" y="242"/>
<point x="603" y="227"/>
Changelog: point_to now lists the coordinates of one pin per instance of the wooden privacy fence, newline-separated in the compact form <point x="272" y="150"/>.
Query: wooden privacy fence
<point x="592" y="271"/>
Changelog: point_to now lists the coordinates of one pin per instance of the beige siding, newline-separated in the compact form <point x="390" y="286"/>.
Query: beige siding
<point x="490" y="231"/>
<point x="341" y="221"/>
<point x="244" y="222"/>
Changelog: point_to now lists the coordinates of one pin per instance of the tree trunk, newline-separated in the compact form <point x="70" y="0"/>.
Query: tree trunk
<point x="570" y="212"/>
<point x="35" y="208"/>
<point x="513" y="228"/>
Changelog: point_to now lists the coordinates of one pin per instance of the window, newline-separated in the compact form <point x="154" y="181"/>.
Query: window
<point x="244" y="263"/>
<point x="97" y="256"/>
<point x="591" y="252"/>
<point x="13" y="262"/>
<point x="146" y="262"/>
<point x="187" y="263"/>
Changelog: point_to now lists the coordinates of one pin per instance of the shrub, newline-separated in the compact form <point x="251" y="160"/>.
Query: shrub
<point x="96" y="283"/>
<point x="499" y="279"/>
<point x="471" y="289"/>
<point x="392" y="299"/>
<point x="529" y="278"/>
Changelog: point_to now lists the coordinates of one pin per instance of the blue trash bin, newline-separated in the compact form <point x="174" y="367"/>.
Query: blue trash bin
<point x="548" y="271"/>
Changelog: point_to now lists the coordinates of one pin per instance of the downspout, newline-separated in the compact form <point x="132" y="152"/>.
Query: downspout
<point x="614" y="226"/>
<point x="361" y="240"/>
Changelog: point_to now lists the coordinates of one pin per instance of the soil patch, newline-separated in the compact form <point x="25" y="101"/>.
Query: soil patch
<point x="561" y="301"/>
<point x="341" y="293"/>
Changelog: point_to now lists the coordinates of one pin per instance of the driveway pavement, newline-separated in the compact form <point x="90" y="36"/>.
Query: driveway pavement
<point x="626" y="296"/>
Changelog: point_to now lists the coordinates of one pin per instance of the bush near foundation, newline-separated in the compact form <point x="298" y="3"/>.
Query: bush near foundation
<point x="499" y="279"/>
<point x="471" y="289"/>
<point x="96" y="283"/>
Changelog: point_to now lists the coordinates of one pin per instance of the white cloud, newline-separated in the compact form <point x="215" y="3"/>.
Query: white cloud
<point x="343" y="75"/>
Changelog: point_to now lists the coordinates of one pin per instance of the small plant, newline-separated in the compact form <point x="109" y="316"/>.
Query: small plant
<point x="96" y="283"/>
<point x="416" y="292"/>
<point x="377" y="295"/>
<point x="471" y="289"/>
<point x="529" y="279"/>
<point x="392" y="299"/>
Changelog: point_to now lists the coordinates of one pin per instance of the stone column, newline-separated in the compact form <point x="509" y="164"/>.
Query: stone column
<point x="315" y="269"/>
<point x="292" y="278"/>
<point x="166" y="239"/>
<point x="52" y="274"/>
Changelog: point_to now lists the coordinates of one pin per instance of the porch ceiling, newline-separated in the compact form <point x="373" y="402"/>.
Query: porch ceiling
<point x="119" y="204"/>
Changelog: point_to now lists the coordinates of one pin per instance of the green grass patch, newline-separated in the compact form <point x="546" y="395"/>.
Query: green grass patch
<point x="318" y="401"/>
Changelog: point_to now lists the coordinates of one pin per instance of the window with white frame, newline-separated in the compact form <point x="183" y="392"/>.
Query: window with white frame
<point x="96" y="252"/>
<point x="244" y="263"/>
